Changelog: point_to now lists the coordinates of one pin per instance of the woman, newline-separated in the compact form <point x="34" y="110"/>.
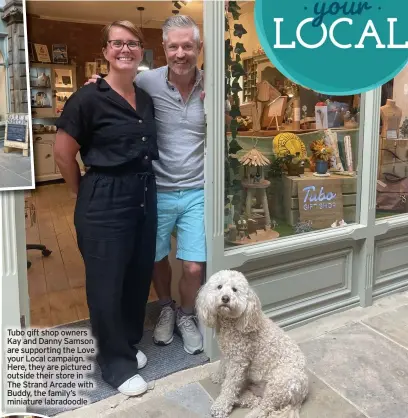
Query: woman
<point x="111" y="123"/>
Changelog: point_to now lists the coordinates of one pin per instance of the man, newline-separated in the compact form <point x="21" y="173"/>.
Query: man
<point x="177" y="93"/>
<point x="176" y="90"/>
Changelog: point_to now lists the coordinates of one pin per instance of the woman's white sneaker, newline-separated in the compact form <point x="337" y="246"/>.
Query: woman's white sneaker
<point x="141" y="359"/>
<point x="134" y="386"/>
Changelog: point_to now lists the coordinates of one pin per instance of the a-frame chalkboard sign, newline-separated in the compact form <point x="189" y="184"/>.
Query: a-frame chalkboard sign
<point x="16" y="135"/>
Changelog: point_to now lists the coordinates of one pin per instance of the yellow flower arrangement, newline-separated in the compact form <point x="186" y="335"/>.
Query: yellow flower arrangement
<point x="320" y="150"/>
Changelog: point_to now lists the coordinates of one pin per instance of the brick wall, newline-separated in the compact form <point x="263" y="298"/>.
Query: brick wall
<point x="83" y="41"/>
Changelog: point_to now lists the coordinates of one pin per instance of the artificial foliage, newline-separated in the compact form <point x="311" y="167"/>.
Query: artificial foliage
<point x="233" y="71"/>
<point x="320" y="150"/>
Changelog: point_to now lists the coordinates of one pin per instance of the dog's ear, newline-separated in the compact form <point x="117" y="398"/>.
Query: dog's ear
<point x="251" y="318"/>
<point x="205" y="308"/>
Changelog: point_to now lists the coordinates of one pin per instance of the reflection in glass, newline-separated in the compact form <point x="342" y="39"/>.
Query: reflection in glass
<point x="392" y="182"/>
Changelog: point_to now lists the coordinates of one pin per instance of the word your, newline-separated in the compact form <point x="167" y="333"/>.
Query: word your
<point x="369" y="31"/>
<point x="312" y="196"/>
<point x="335" y="7"/>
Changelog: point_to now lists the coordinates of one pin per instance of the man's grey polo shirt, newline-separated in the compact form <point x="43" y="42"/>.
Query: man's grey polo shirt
<point x="180" y="131"/>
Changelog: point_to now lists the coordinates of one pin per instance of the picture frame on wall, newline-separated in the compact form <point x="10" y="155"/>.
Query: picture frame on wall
<point x="42" y="53"/>
<point x="59" y="54"/>
<point x="90" y="69"/>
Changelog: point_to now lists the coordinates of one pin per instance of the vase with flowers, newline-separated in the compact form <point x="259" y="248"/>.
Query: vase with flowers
<point x="321" y="154"/>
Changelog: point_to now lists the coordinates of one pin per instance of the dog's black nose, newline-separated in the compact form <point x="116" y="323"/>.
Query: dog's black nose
<point x="225" y="299"/>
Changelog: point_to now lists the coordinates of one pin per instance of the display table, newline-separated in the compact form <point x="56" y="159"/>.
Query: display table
<point x="291" y="196"/>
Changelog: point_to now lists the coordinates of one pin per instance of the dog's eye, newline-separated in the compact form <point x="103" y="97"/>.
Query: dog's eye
<point x="220" y="286"/>
<point x="234" y="289"/>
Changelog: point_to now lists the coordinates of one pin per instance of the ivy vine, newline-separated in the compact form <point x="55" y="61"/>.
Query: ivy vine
<point x="233" y="71"/>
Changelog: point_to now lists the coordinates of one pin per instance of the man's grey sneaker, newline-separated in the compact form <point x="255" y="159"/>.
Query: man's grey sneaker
<point x="189" y="332"/>
<point x="164" y="329"/>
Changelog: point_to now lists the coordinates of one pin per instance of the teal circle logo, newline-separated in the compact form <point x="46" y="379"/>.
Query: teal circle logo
<point x="335" y="48"/>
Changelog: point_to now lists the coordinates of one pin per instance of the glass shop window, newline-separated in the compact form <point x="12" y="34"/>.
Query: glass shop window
<point x="392" y="179"/>
<point x="291" y="163"/>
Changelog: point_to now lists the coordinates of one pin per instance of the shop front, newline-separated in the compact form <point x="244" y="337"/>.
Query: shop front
<point x="310" y="199"/>
<point x="305" y="193"/>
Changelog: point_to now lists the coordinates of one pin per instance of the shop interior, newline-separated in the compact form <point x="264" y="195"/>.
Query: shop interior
<point x="64" y="51"/>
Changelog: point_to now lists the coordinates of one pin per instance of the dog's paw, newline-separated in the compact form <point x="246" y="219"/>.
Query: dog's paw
<point x="220" y="409"/>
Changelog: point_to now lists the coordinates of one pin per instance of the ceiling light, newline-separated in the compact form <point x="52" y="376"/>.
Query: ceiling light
<point x="144" y="65"/>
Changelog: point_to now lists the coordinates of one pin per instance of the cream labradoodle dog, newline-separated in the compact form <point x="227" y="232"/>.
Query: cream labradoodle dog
<point x="261" y="367"/>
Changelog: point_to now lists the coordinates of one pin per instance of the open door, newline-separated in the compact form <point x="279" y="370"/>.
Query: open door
<point x="13" y="273"/>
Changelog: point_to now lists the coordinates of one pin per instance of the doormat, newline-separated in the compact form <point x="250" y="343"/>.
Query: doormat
<point x="161" y="362"/>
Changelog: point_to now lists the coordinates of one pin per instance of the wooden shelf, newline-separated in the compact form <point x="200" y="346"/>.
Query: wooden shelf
<point x="269" y="133"/>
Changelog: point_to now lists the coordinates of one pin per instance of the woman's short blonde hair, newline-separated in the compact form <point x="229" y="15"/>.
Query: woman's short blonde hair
<point x="125" y="24"/>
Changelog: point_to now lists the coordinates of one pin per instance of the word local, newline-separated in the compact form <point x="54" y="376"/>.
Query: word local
<point x="369" y="31"/>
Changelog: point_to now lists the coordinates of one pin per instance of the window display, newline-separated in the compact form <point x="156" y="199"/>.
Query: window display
<point x="392" y="180"/>
<point x="291" y="161"/>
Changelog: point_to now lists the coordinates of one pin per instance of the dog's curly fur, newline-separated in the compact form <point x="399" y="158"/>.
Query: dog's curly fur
<point x="261" y="367"/>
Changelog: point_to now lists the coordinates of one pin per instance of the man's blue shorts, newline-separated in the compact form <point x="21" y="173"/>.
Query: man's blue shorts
<point x="183" y="211"/>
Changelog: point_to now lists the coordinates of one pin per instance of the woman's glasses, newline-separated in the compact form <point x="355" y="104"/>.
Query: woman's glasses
<point x="132" y="45"/>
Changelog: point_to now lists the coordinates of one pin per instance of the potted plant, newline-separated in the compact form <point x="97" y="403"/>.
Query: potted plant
<point x="321" y="156"/>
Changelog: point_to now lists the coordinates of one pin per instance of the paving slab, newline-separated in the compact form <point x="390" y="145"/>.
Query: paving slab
<point x="322" y="401"/>
<point x="367" y="369"/>
<point x="15" y="169"/>
<point x="11" y="179"/>
<point x="192" y="397"/>
<point x="159" y="408"/>
<point x="393" y="324"/>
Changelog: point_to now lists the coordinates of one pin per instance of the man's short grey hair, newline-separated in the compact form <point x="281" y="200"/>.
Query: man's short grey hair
<point x="180" y="21"/>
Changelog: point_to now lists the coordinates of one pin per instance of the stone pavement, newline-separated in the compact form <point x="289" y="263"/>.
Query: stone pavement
<point x="358" y="367"/>
<point x="15" y="169"/>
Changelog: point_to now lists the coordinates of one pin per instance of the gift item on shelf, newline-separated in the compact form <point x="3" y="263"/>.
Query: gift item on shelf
<point x="393" y="157"/>
<point x="321" y="154"/>
<point x="337" y="223"/>
<point x="295" y="165"/>
<point x="255" y="183"/>
<point x="256" y="216"/>
<point x="330" y="139"/>
<point x="239" y="234"/>
<point x="321" y="115"/>
<point x="392" y="193"/>
<point x="293" y="109"/>
<point x="266" y="109"/>
<point x="352" y="118"/>
<point x="335" y="113"/>
<point x="349" y="153"/>
<point x="287" y="143"/>
<point x="391" y="116"/>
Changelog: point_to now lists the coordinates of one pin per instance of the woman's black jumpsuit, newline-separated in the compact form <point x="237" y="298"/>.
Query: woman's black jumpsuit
<point x="115" y="217"/>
